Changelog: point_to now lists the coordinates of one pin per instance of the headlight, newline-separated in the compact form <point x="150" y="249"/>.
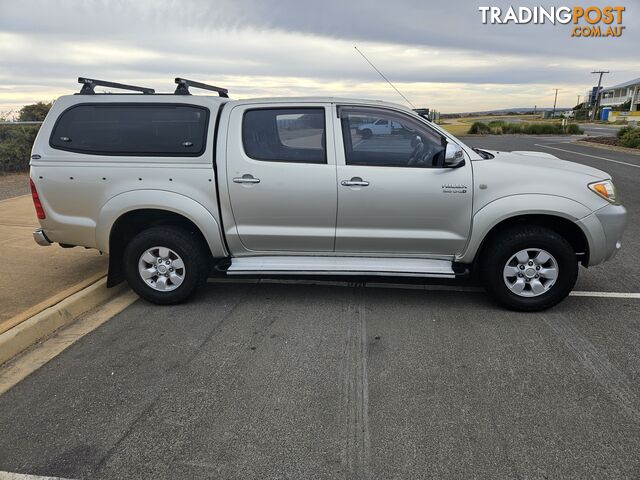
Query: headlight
<point x="605" y="189"/>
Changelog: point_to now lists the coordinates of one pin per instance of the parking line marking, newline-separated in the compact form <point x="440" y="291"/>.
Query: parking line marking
<point x="407" y="286"/>
<point x="587" y="155"/>
<point x="606" y="294"/>
<point x="23" y="476"/>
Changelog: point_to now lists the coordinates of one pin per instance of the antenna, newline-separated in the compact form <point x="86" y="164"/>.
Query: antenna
<point x="386" y="79"/>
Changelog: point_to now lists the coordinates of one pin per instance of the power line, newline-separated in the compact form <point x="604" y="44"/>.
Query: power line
<point x="386" y="79"/>
<point x="595" y="107"/>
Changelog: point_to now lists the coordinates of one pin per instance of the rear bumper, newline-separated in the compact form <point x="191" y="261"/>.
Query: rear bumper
<point x="40" y="238"/>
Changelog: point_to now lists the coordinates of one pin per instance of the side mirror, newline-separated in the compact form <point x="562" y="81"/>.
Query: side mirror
<point x="453" y="156"/>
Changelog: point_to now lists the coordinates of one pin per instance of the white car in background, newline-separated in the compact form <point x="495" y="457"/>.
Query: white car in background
<point x="383" y="126"/>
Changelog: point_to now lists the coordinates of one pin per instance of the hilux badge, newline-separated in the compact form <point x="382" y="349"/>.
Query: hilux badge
<point x="456" y="188"/>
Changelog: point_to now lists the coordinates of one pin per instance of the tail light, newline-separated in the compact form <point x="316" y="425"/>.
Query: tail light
<point x="36" y="201"/>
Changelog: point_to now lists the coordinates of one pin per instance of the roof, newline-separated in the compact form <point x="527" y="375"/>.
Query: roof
<point x="196" y="98"/>
<point x="328" y="99"/>
<point x="630" y="83"/>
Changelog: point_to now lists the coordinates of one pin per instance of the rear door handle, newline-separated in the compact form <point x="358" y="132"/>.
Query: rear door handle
<point x="354" y="182"/>
<point x="246" y="178"/>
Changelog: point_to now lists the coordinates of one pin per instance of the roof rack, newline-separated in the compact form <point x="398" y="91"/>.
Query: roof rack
<point x="184" y="84"/>
<point x="88" y="85"/>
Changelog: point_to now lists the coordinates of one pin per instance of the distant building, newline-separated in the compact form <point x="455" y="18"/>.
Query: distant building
<point x="612" y="98"/>
<point x="622" y="93"/>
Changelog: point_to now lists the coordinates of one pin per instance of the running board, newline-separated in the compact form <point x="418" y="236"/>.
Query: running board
<point x="402" y="267"/>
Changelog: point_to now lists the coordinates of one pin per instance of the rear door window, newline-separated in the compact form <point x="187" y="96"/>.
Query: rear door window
<point x="132" y="129"/>
<point x="285" y="135"/>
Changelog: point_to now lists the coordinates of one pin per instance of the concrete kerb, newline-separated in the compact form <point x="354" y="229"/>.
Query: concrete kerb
<point x="39" y="326"/>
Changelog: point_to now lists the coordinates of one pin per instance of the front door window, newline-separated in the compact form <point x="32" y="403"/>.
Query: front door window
<point x="383" y="138"/>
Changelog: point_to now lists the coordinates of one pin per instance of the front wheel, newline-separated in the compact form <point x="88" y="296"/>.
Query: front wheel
<point x="165" y="265"/>
<point x="529" y="268"/>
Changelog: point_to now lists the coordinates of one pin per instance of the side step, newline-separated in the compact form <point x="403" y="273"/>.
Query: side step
<point x="404" y="267"/>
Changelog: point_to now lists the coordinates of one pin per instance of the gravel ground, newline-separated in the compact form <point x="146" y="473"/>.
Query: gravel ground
<point x="13" y="185"/>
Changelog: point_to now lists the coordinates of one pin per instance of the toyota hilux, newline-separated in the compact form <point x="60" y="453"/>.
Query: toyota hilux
<point x="174" y="186"/>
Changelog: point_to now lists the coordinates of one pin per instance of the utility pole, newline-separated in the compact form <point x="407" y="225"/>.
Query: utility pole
<point x="577" y="109"/>
<point x="595" y="107"/>
<point x="553" y="114"/>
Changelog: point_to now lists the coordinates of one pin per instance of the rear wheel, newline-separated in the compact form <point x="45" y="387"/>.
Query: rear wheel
<point x="165" y="265"/>
<point x="529" y="269"/>
<point x="367" y="133"/>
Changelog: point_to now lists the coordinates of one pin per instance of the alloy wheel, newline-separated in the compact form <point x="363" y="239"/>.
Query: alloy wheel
<point x="161" y="269"/>
<point x="530" y="272"/>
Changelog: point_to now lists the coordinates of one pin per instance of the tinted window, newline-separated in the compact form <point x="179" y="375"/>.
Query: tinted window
<point x="407" y="143"/>
<point x="285" y="135"/>
<point x="116" y="129"/>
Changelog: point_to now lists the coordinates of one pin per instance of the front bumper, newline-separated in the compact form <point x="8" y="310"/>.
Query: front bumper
<point x="613" y="219"/>
<point x="40" y="238"/>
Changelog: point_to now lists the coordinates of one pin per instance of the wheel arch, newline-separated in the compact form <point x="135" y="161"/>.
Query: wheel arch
<point x="559" y="214"/>
<point x="566" y="228"/>
<point x="125" y="215"/>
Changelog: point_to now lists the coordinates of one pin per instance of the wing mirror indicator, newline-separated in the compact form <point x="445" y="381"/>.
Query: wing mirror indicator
<point x="453" y="156"/>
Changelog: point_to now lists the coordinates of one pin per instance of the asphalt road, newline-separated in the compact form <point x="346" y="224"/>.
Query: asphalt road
<point x="267" y="380"/>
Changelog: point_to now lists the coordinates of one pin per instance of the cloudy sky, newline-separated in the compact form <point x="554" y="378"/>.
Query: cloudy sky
<point x="437" y="52"/>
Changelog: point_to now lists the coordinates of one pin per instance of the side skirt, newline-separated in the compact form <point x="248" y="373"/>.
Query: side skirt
<point x="299" y="265"/>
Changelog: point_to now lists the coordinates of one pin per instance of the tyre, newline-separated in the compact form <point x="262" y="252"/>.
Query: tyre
<point x="367" y="133"/>
<point x="529" y="269"/>
<point x="165" y="265"/>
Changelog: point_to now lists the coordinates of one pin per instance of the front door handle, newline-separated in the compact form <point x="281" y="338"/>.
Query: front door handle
<point x="246" y="178"/>
<point x="354" y="182"/>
